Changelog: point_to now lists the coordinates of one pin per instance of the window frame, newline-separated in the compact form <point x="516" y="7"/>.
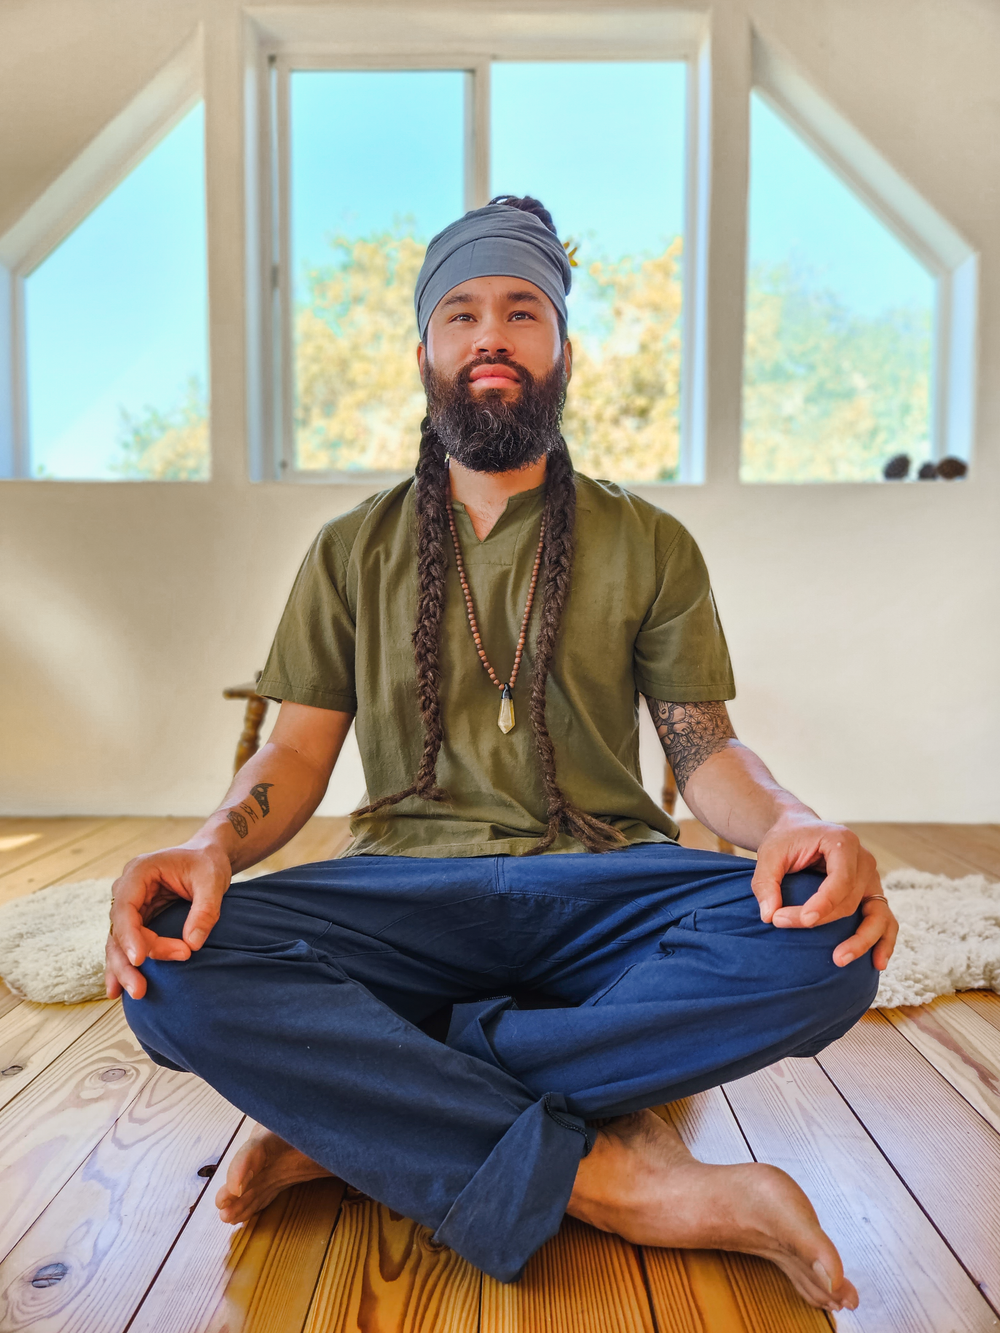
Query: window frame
<point x="917" y="225"/>
<point x="90" y="178"/>
<point x="273" y="457"/>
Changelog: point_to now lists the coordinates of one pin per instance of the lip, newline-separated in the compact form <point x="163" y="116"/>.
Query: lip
<point x="501" y="373"/>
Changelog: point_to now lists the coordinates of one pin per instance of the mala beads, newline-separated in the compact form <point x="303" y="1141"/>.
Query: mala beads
<point x="506" y="719"/>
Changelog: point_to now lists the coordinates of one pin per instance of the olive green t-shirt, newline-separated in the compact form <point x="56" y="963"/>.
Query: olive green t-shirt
<point x="640" y="617"/>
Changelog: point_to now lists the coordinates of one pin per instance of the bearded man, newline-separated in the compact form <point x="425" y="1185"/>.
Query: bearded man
<point x="466" y="1016"/>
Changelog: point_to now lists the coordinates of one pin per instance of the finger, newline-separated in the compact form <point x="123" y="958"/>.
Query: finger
<point x="839" y="886"/>
<point x="207" y="888"/>
<point x="766" y="882"/>
<point x="127" y="977"/>
<point x="874" y="925"/>
<point x="884" y="949"/>
<point x="129" y="895"/>
<point x="164" y="948"/>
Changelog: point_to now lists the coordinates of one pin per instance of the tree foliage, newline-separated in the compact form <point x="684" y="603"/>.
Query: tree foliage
<point x="828" y="395"/>
<point x="166" y="446"/>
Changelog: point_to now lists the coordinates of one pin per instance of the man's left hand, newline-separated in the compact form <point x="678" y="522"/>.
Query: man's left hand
<point x="851" y="882"/>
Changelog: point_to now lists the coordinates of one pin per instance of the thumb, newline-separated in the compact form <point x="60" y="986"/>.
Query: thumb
<point x="208" y="884"/>
<point x="766" y="883"/>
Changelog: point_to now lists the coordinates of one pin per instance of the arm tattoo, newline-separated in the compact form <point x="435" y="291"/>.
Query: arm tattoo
<point x="690" y="734"/>
<point x="259" y="793"/>
<point x="238" y="822"/>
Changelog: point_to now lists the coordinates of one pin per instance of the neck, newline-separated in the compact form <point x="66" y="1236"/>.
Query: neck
<point x="485" y="494"/>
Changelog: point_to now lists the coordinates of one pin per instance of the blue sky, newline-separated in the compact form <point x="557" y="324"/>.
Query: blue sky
<point x="116" y="316"/>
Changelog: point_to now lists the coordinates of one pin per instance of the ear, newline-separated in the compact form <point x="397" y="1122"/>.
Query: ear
<point x="422" y="362"/>
<point x="568" y="359"/>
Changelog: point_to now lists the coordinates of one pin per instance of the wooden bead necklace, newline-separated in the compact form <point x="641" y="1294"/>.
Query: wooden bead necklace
<point x="506" y="719"/>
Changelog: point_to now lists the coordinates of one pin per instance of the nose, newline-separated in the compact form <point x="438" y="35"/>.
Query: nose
<point x="493" y="338"/>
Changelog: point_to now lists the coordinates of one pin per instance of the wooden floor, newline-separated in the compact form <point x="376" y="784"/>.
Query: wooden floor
<point x="107" y="1223"/>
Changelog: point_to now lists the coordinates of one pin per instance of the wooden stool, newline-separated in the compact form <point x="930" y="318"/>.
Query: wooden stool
<point x="669" y="800"/>
<point x="253" y="718"/>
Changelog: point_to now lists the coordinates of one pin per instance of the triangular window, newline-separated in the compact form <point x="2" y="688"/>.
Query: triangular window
<point x="115" y="328"/>
<point x="840" y="324"/>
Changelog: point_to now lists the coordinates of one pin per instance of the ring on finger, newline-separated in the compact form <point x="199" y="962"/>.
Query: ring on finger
<point x="875" y="898"/>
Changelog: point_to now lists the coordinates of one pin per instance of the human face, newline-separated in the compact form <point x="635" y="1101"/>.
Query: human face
<point x="506" y="318"/>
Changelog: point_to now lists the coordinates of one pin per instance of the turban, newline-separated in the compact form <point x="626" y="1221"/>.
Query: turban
<point x="495" y="241"/>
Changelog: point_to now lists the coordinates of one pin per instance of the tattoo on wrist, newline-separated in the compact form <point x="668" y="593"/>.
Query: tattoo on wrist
<point x="238" y="822"/>
<point x="690" y="734"/>
<point x="259" y="793"/>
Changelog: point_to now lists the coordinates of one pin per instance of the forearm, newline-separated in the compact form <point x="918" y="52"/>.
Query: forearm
<point x="270" y="799"/>
<point x="733" y="793"/>
<point x="723" y="783"/>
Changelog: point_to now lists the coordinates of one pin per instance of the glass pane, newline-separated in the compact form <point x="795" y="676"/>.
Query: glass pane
<point x="377" y="163"/>
<point x="116" y="328"/>
<point x="609" y="165"/>
<point x="837" y="367"/>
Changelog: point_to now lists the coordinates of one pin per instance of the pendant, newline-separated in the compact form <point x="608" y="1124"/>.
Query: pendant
<point x="506" y="719"/>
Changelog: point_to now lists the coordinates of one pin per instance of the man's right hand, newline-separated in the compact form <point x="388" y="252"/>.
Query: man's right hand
<point x="147" y="885"/>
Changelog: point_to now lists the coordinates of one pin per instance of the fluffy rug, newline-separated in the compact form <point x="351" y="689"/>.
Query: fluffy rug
<point x="52" y="942"/>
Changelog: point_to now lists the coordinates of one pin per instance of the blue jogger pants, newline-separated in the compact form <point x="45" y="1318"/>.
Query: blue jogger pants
<point x="657" y="977"/>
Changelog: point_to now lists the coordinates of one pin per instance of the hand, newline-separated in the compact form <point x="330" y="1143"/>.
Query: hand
<point x="145" y="886"/>
<point x="851" y="880"/>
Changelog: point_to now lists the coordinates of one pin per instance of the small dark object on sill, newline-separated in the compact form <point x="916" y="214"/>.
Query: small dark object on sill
<point x="928" y="472"/>
<point x="951" y="468"/>
<point x="897" y="467"/>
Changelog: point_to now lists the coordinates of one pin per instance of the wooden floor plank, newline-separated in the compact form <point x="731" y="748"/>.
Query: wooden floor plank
<point x="948" y="1156"/>
<point x="104" y="1236"/>
<point x="72" y="861"/>
<point x="147" y="836"/>
<point x="961" y="1045"/>
<point x="256" y="1278"/>
<point x="708" y="1127"/>
<point x="908" y="1280"/>
<point x="906" y="842"/>
<point x="706" y="1291"/>
<point x="47" y="1131"/>
<point x="385" y="1273"/>
<point x="8" y="1000"/>
<point x="984" y="1002"/>
<point x="581" y="1281"/>
<point x="25" y="840"/>
<point x="978" y="844"/>
<point x="33" y="1035"/>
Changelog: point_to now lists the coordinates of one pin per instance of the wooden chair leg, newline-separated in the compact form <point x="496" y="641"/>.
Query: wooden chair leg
<point x="249" y="741"/>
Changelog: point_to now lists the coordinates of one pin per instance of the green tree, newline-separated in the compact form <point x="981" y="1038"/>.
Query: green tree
<point x="829" y="395"/>
<point x="169" y="445"/>
<point x="359" y="401"/>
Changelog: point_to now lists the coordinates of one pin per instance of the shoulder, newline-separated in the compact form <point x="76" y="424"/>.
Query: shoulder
<point x="339" y="536"/>
<point x="606" y="504"/>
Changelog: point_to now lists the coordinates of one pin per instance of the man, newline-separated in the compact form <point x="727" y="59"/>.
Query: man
<point x="578" y="989"/>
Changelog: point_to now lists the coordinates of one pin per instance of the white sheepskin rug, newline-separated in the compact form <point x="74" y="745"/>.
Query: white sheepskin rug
<point x="52" y="941"/>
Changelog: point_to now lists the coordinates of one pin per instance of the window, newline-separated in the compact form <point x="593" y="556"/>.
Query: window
<point x="115" y="329"/>
<point x="610" y="168"/>
<point x="380" y="160"/>
<point x="377" y="163"/>
<point x="840" y="323"/>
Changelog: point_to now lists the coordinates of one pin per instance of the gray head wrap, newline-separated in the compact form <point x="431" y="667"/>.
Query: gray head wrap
<point x="495" y="241"/>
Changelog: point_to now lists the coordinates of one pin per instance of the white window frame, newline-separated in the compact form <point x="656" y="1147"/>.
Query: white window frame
<point x="920" y="228"/>
<point x="680" y="37"/>
<point x="106" y="161"/>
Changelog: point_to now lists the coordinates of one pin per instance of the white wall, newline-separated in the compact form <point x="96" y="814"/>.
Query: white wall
<point x="864" y="620"/>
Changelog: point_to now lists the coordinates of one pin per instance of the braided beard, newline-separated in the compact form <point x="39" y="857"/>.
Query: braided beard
<point x="487" y="433"/>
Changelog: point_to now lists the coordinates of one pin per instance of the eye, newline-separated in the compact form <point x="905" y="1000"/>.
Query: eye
<point x="522" y="314"/>
<point x="462" y="314"/>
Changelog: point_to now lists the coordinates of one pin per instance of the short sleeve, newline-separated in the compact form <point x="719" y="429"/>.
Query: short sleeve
<point x="312" y="657"/>
<point x="680" y="650"/>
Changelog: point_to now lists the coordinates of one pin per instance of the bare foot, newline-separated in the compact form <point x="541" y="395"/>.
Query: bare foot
<point x="262" y="1168"/>
<point x="642" y="1183"/>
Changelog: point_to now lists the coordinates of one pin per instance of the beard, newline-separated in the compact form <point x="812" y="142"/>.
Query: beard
<point x="485" y="432"/>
